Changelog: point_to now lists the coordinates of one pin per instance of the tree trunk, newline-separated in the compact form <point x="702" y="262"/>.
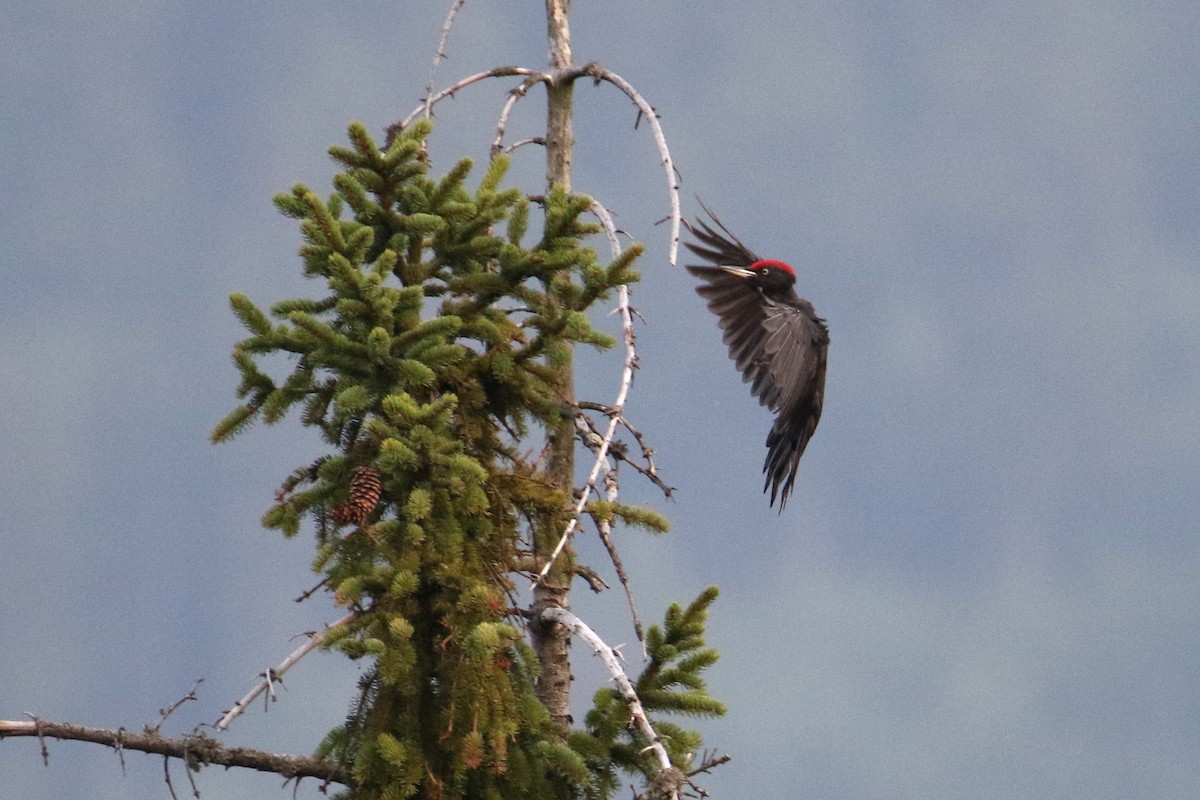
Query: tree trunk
<point x="551" y="641"/>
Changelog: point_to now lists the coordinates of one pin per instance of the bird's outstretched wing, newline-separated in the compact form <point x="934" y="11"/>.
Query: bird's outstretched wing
<point x="737" y="303"/>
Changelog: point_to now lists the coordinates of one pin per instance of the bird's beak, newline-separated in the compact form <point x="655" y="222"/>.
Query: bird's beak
<point x="741" y="272"/>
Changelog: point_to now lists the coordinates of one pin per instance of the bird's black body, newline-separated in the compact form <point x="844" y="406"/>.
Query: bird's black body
<point x="776" y="339"/>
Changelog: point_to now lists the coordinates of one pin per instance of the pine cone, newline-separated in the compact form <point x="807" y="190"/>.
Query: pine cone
<point x="365" y="489"/>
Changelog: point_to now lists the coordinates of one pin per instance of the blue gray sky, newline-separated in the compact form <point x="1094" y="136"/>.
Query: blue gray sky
<point x="987" y="581"/>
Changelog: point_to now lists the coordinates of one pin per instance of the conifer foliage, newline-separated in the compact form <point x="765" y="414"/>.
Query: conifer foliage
<point x="430" y="356"/>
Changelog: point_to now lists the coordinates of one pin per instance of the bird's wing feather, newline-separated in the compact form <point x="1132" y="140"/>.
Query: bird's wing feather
<point x="738" y="306"/>
<point x="792" y="348"/>
<point x="725" y="250"/>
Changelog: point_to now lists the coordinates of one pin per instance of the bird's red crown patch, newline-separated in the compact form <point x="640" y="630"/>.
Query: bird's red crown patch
<point x="757" y="265"/>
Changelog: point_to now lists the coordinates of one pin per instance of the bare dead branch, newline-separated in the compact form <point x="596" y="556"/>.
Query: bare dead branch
<point x="529" y="563"/>
<point x="515" y="94"/>
<point x="592" y="577"/>
<point x="649" y="471"/>
<point x="593" y="438"/>
<point x="449" y="91"/>
<point x="274" y="674"/>
<point x="604" y="528"/>
<point x="619" y="450"/>
<point x="610" y="227"/>
<point x="440" y="53"/>
<point x="522" y="142"/>
<point x="196" y="750"/>
<point x="603" y="445"/>
<point x="598" y="72"/>
<point x="624" y="686"/>
<point x="627" y="372"/>
<point x="707" y="763"/>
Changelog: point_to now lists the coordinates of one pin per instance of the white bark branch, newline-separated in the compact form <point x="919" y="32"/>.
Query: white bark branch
<point x="600" y="73"/>
<point x="439" y="54"/>
<point x="495" y="72"/>
<point x="514" y="94"/>
<point x="624" y="686"/>
<point x="618" y="405"/>
<point x="274" y="674"/>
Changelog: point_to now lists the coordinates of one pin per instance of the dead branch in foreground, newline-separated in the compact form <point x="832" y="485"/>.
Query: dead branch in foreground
<point x="196" y="750"/>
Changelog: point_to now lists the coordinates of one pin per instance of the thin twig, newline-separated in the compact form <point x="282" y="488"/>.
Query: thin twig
<point x="120" y="748"/>
<point x="605" y="527"/>
<point x="273" y="674"/>
<point x="707" y="764"/>
<point x="604" y="445"/>
<point x="624" y="686"/>
<point x="167" y="777"/>
<point x="41" y="737"/>
<point x="163" y="713"/>
<point x="440" y="53"/>
<point x="187" y="768"/>
<point x="307" y="593"/>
